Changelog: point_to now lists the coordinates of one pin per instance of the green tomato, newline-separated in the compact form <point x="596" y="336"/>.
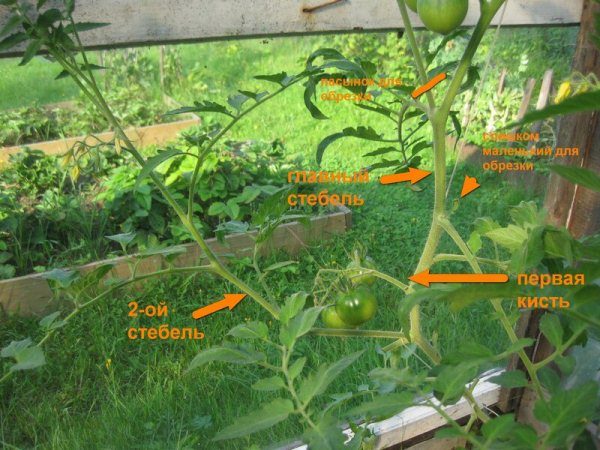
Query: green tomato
<point x="331" y="319"/>
<point x="412" y="4"/>
<point x="442" y="16"/>
<point x="359" y="277"/>
<point x="357" y="306"/>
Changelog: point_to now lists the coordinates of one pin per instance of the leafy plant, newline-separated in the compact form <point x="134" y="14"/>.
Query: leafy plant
<point x="566" y="399"/>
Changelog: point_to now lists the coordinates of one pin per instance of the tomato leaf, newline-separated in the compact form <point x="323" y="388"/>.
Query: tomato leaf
<point x="268" y="415"/>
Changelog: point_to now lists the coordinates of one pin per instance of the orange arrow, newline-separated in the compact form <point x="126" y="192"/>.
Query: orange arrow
<point x="425" y="278"/>
<point x="469" y="186"/>
<point x="413" y="175"/>
<point x="429" y="85"/>
<point x="230" y="301"/>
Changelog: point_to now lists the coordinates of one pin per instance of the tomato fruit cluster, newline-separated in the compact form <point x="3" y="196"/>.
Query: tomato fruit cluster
<point x="358" y="305"/>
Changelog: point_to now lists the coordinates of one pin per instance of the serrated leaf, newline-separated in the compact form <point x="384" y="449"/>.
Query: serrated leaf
<point x="268" y="415"/>
<point x="449" y="385"/>
<point x="382" y="151"/>
<point x="299" y="326"/>
<point x="511" y="379"/>
<point x="237" y="101"/>
<point x="326" y="54"/>
<point x="296" y="368"/>
<point x="206" y="106"/>
<point x="361" y="132"/>
<point x="12" y="40"/>
<point x="250" y="330"/>
<point x="273" y="383"/>
<point x="13" y="22"/>
<point x="552" y="329"/>
<point x="519" y="345"/>
<point x="567" y="412"/>
<point x="292" y="306"/>
<point x="62" y="277"/>
<point x="499" y="428"/>
<point x="279" y="78"/>
<point x="383" y="406"/>
<point x="225" y="354"/>
<point x="154" y="162"/>
<point x="316" y="383"/>
<point x="511" y="237"/>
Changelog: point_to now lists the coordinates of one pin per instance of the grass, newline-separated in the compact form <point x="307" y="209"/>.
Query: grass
<point x="144" y="396"/>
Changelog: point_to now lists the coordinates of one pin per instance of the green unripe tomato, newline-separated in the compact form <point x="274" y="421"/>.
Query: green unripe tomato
<point x="442" y="16"/>
<point x="357" y="306"/>
<point x="331" y="319"/>
<point x="412" y="4"/>
<point x="359" y="277"/>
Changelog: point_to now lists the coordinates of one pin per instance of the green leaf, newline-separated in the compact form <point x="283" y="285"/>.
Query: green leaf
<point x="383" y="406"/>
<point x="310" y="89"/>
<point x="49" y="17"/>
<point x="299" y="326"/>
<point x="499" y="427"/>
<point x="31" y="50"/>
<point x="122" y="238"/>
<point x="84" y="26"/>
<point x="28" y="358"/>
<point x="234" y="355"/>
<point x="316" y="383"/>
<point x="512" y="237"/>
<point x="578" y="175"/>
<point x="49" y="322"/>
<point x="527" y="215"/>
<point x="519" y="345"/>
<point x="326" y="54"/>
<point x="11" y="350"/>
<point x="250" y="330"/>
<point x="292" y="306"/>
<point x="237" y="101"/>
<point x="449" y="385"/>
<point x="64" y="278"/>
<point x="268" y="415"/>
<point x="366" y="133"/>
<point x="205" y="106"/>
<point x="233" y="209"/>
<point x="581" y="103"/>
<point x="511" y="379"/>
<point x="469" y="352"/>
<point x="273" y="383"/>
<point x="382" y="151"/>
<point x="567" y="413"/>
<point x="281" y="78"/>
<point x="296" y="368"/>
<point x="13" y="22"/>
<point x="558" y="243"/>
<point x="530" y="254"/>
<point x="154" y="162"/>
<point x="12" y="40"/>
<point x="551" y="328"/>
<point x="256" y="96"/>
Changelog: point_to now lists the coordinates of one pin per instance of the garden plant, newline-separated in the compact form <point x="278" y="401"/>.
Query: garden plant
<point x="345" y="299"/>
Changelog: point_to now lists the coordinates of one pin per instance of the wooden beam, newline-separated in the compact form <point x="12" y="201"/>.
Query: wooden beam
<point x="31" y="295"/>
<point x="135" y="22"/>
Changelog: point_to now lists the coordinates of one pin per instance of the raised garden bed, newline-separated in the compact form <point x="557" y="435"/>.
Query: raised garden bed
<point x="31" y="294"/>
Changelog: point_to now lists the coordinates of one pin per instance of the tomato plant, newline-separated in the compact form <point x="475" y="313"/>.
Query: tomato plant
<point x="525" y="244"/>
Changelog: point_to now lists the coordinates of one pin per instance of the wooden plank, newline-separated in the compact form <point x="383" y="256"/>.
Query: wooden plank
<point x="157" y="22"/>
<point x="140" y="136"/>
<point x="420" y="420"/>
<point x="31" y="295"/>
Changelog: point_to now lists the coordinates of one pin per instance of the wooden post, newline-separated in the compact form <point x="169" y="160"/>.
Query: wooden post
<point x="502" y="81"/>
<point x="574" y="207"/>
